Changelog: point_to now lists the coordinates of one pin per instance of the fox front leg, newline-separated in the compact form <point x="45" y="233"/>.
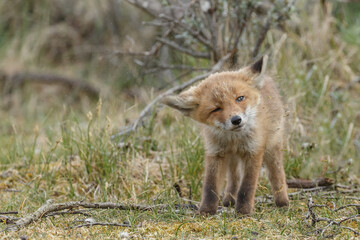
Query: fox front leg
<point x="246" y="195"/>
<point x="215" y="169"/>
<point x="233" y="181"/>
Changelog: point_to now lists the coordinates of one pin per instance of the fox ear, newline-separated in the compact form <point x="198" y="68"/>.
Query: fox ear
<point x="184" y="102"/>
<point x="256" y="71"/>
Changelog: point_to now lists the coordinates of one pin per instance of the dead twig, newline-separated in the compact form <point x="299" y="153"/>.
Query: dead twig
<point x="8" y="219"/>
<point x="50" y="207"/>
<point x="327" y="192"/>
<point x="66" y="212"/>
<point x="151" y="106"/>
<point x="5" y="213"/>
<point x="183" y="49"/>
<point x="268" y="23"/>
<point x="10" y="190"/>
<point x="336" y="209"/>
<point x="309" y="190"/>
<point x="150" y="6"/>
<point x="158" y="67"/>
<point x="261" y="38"/>
<point x="100" y="224"/>
<point x="342" y="197"/>
<point x="196" y="34"/>
<point x="241" y="27"/>
<point x="305" y="183"/>
<point x="315" y="219"/>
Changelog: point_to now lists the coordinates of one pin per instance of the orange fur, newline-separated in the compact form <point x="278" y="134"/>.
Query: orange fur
<point x="243" y="126"/>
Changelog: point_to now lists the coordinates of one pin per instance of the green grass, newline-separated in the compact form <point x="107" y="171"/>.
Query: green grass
<point x="59" y="147"/>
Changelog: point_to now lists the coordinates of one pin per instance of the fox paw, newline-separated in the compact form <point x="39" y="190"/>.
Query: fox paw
<point x="282" y="203"/>
<point x="228" y="201"/>
<point x="282" y="200"/>
<point x="244" y="209"/>
<point x="206" y="210"/>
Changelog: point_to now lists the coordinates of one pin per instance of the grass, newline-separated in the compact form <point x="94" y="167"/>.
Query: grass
<point x="55" y="146"/>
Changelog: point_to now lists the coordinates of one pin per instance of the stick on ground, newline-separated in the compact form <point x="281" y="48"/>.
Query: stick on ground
<point x="305" y="183"/>
<point x="100" y="224"/>
<point x="50" y="207"/>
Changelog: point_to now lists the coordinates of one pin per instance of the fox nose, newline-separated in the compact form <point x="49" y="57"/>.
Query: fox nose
<point x="236" y="120"/>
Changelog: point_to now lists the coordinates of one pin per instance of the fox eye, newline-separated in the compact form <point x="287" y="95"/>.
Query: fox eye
<point x="239" y="99"/>
<point x="216" y="110"/>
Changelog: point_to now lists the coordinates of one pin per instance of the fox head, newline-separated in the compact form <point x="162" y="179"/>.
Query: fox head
<point x="225" y="100"/>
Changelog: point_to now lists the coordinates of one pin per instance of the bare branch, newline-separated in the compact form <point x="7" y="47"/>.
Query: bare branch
<point x="196" y="34"/>
<point x="151" y="106"/>
<point x="213" y="29"/>
<point x="184" y="49"/>
<point x="242" y="27"/>
<point x="152" y="7"/>
<point x="160" y="67"/>
<point x="261" y="38"/>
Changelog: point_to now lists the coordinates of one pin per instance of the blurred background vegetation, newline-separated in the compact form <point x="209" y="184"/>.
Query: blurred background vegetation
<point x="55" y="137"/>
<point x="56" y="141"/>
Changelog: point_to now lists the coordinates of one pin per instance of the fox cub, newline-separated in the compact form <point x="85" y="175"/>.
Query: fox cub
<point x="243" y="126"/>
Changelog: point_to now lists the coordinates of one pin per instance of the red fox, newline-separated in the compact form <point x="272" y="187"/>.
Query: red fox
<point x="242" y="116"/>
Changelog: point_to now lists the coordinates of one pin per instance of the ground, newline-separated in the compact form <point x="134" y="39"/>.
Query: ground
<point x="57" y="144"/>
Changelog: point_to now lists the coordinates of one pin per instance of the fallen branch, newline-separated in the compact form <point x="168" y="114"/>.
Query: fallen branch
<point x="305" y="183"/>
<point x="336" y="209"/>
<point x="66" y="212"/>
<point x="8" y="219"/>
<point x="315" y="219"/>
<point x="100" y="224"/>
<point x="325" y="191"/>
<point x="342" y="197"/>
<point x="53" y="209"/>
<point x="4" y="213"/>
<point x="309" y="190"/>
<point x="50" y="207"/>
<point x="9" y="190"/>
<point x="18" y="79"/>
<point x="151" y="106"/>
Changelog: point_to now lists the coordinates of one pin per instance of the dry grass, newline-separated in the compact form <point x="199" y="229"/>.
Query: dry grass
<point x="56" y="146"/>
